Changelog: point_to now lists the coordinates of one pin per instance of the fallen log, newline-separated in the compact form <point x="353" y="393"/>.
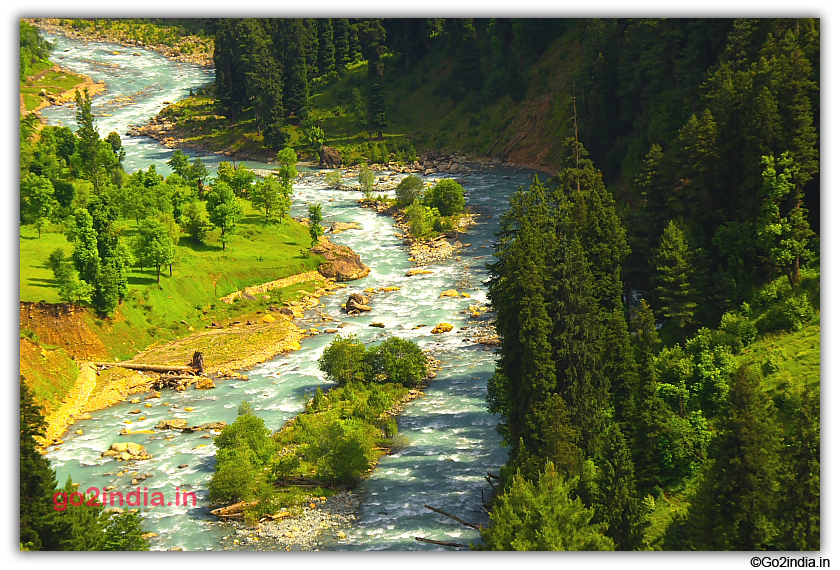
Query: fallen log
<point x="441" y="542"/>
<point x="453" y="517"/>
<point x="180" y="377"/>
<point x="146" y="367"/>
<point x="235" y="510"/>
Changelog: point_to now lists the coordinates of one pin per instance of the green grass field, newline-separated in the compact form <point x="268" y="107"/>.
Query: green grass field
<point x="201" y="274"/>
<point x="54" y="83"/>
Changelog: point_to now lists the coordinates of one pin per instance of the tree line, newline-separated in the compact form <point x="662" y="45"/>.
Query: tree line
<point x="622" y="313"/>
<point x="76" y="181"/>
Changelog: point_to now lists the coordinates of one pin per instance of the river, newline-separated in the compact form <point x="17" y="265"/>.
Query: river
<point x="453" y="441"/>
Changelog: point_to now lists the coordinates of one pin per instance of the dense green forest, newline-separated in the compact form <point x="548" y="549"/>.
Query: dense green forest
<point x="630" y="286"/>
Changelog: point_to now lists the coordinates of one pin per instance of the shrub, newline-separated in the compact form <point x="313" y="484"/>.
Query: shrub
<point x="447" y="196"/>
<point x="344" y="360"/>
<point x="421" y="219"/>
<point x="443" y="225"/>
<point x="408" y="190"/>
<point x="398" y="360"/>
<point x="740" y="327"/>
<point x="333" y="179"/>
<point x="792" y="314"/>
<point x="341" y="450"/>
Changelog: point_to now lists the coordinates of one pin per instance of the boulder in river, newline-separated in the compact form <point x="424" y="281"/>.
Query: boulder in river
<point x="330" y="157"/>
<point x="442" y="328"/>
<point x="357" y="304"/>
<point x="342" y="263"/>
<point x="171" y="424"/>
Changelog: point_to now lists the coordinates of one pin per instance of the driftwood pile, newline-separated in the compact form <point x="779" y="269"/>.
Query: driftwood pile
<point x="171" y="376"/>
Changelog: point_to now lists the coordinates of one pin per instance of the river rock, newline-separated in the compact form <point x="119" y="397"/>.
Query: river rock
<point x="268" y="319"/>
<point x="84" y="416"/>
<point x="172" y="424"/>
<point x="356" y="303"/>
<point x="151" y="396"/>
<point x="413" y="272"/>
<point x="148" y="535"/>
<point x="442" y="328"/>
<point x="330" y="157"/>
<point x="218" y="426"/>
<point x="342" y="264"/>
<point x="134" y="412"/>
<point x="205" y="384"/>
<point x="449" y="293"/>
<point x="338" y="227"/>
<point x="119" y="447"/>
<point x="287" y="312"/>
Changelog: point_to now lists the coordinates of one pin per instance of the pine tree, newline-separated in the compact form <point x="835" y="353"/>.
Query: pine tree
<point x="798" y="513"/>
<point x="674" y="277"/>
<point x="295" y="80"/>
<point x="467" y="67"/>
<point x="577" y="341"/>
<point x="341" y="37"/>
<point x="739" y="513"/>
<point x="87" y="145"/>
<point x="647" y="215"/>
<point x="587" y="209"/>
<point x="542" y="516"/>
<point x="651" y="412"/>
<point x="617" y="501"/>
<point x="620" y="367"/>
<point x="326" y="46"/>
<point x="230" y="71"/>
<point x="37" y="479"/>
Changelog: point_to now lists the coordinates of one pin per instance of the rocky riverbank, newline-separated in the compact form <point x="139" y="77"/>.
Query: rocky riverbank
<point x="68" y="96"/>
<point x="240" y="343"/>
<point x="322" y="520"/>
<point x="189" y="49"/>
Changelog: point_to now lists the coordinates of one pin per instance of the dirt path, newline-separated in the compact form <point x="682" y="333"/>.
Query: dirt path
<point x="73" y="404"/>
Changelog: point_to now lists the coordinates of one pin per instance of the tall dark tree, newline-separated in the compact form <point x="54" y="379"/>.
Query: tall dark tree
<point x="736" y="508"/>
<point x="467" y="67"/>
<point x="675" y="275"/>
<point x="326" y="46"/>
<point x="341" y="39"/>
<point x="617" y="502"/>
<point x="37" y="479"/>
<point x="88" y="140"/>
<point x="295" y="79"/>
<point x="798" y="513"/>
<point x="230" y="73"/>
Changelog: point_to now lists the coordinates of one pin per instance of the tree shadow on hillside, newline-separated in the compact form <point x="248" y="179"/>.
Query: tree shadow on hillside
<point x="198" y="246"/>
<point x="135" y="280"/>
<point x="41" y="282"/>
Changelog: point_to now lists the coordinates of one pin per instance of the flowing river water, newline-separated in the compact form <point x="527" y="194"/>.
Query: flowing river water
<point x="453" y="441"/>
